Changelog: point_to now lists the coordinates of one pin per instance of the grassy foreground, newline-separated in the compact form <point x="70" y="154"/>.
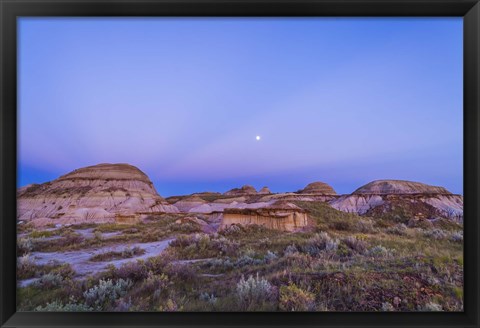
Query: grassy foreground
<point x="341" y="262"/>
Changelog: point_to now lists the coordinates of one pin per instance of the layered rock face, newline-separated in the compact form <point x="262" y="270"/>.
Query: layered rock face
<point x="318" y="188"/>
<point x="282" y="216"/>
<point x="418" y="199"/>
<point x="98" y="193"/>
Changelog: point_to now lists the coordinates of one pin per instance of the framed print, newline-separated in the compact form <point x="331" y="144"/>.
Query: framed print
<point x="283" y="163"/>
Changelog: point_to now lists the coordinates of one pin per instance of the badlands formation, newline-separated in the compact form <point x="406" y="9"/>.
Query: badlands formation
<point x="101" y="193"/>
<point x="381" y="196"/>
<point x="108" y="193"/>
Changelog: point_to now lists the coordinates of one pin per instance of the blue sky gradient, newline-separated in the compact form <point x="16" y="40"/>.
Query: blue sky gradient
<point x="340" y="100"/>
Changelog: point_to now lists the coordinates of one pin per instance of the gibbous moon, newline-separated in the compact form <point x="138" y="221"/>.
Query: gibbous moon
<point x="257" y="137"/>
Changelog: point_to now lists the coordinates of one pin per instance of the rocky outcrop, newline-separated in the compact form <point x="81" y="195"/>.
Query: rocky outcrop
<point x="414" y="199"/>
<point x="265" y="191"/>
<point x="281" y="216"/>
<point x="245" y="190"/>
<point x="318" y="188"/>
<point x="221" y="206"/>
<point x="359" y="204"/>
<point x="186" y="204"/>
<point x="388" y="187"/>
<point x="99" y="193"/>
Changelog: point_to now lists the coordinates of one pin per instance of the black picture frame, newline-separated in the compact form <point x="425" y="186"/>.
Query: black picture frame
<point x="11" y="9"/>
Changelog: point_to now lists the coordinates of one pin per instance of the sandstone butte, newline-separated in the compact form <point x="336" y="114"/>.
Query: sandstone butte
<point x="99" y="193"/>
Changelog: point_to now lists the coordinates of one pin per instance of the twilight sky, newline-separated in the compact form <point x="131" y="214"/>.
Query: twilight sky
<point x="344" y="101"/>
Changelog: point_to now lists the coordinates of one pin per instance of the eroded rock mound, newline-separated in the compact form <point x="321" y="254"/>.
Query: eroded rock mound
<point x="384" y="187"/>
<point x="265" y="191"/>
<point x="187" y="203"/>
<point x="98" y="193"/>
<point x="414" y="199"/>
<point x="318" y="187"/>
<point x="245" y="190"/>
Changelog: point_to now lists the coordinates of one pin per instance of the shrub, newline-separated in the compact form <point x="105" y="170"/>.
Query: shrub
<point x="40" y="234"/>
<point x="219" y="264"/>
<point x="25" y="246"/>
<point x="209" y="298"/>
<point x="253" y="292"/>
<point x="231" y="230"/>
<point x="225" y="246"/>
<point x="106" y="292"/>
<point x="354" y="225"/>
<point x="124" y="254"/>
<point x="169" y="306"/>
<point x="364" y="226"/>
<point x="431" y="307"/>
<point x="247" y="260"/>
<point x="399" y="230"/>
<point x="97" y="235"/>
<point x="290" y="249"/>
<point x="343" y="226"/>
<point x="292" y="298"/>
<point x="26" y="267"/>
<point x="186" y="227"/>
<point x="57" y="306"/>
<point x="457" y="236"/>
<point x="202" y="245"/>
<point x="355" y="244"/>
<point x="69" y="239"/>
<point x="123" y="305"/>
<point x="181" y="272"/>
<point x="320" y="242"/>
<point x="65" y="270"/>
<point x="387" y="307"/>
<point x="134" y="271"/>
<point x="298" y="261"/>
<point x="435" y="234"/>
<point x="154" y="285"/>
<point x="270" y="257"/>
<point x="380" y="252"/>
<point x="49" y="281"/>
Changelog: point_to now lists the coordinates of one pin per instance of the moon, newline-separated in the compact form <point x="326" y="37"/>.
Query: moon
<point x="257" y="138"/>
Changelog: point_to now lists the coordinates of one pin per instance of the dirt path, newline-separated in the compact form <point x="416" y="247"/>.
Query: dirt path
<point x="80" y="260"/>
